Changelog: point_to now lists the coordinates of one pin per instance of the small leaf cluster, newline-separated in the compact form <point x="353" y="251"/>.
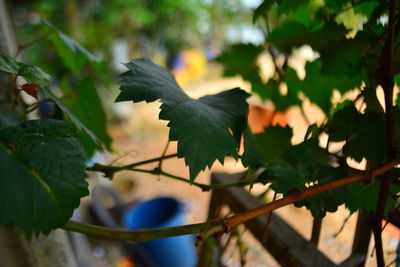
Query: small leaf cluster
<point x="349" y="41"/>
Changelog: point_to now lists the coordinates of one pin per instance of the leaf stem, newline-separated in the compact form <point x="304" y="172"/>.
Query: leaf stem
<point x="109" y="171"/>
<point x="216" y="227"/>
<point x="306" y="193"/>
<point x="22" y="47"/>
<point x="140" y="235"/>
<point x="150" y="161"/>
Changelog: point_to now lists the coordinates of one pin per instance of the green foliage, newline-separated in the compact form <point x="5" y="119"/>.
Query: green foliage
<point x="49" y="95"/>
<point x="73" y="54"/>
<point x="31" y="73"/>
<point x="42" y="164"/>
<point x="42" y="170"/>
<point x="201" y="126"/>
<point x="274" y="141"/>
<point x="84" y="102"/>
<point x="350" y="44"/>
<point x="364" y="133"/>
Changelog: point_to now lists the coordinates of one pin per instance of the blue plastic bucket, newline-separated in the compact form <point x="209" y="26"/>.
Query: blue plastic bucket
<point x="162" y="212"/>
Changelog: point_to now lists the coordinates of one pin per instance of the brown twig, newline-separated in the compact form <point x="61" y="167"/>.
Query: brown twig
<point x="217" y="227"/>
<point x="237" y="219"/>
<point x="387" y="83"/>
<point x="22" y="47"/>
<point x="268" y="223"/>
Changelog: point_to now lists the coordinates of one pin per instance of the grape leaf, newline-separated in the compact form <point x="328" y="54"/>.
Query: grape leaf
<point x="207" y="129"/>
<point x="365" y="196"/>
<point x="274" y="141"/>
<point x="31" y="73"/>
<point x="364" y="133"/>
<point x="397" y="81"/>
<point x="340" y="125"/>
<point x="84" y="98"/>
<point x="72" y="53"/>
<point x="252" y="156"/>
<point x="241" y="59"/>
<point x="292" y="34"/>
<point x="366" y="8"/>
<point x="42" y="175"/>
<point x="48" y="94"/>
<point x="305" y="163"/>
<point x="8" y="118"/>
<point x="283" y="102"/>
<point x="368" y="140"/>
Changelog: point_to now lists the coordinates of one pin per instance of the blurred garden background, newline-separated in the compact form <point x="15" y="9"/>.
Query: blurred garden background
<point x="188" y="38"/>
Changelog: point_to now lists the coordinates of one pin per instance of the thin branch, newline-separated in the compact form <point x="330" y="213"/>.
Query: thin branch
<point x="109" y="171"/>
<point x="306" y="193"/>
<point x="22" y="47"/>
<point x="163" y="156"/>
<point x="343" y="225"/>
<point x="387" y="82"/>
<point x="150" y="161"/>
<point x="216" y="227"/>
<point x="141" y="235"/>
<point x="36" y="105"/>
<point x="268" y="223"/>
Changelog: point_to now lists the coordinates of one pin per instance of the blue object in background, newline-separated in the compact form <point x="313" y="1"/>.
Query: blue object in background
<point x="162" y="212"/>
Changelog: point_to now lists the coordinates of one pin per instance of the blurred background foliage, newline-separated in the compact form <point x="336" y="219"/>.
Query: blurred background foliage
<point x="83" y="44"/>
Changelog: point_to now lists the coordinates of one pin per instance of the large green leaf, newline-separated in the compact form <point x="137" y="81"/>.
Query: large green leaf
<point x="241" y="59"/>
<point x="318" y="86"/>
<point x="293" y="34"/>
<point x="207" y="129"/>
<point x="307" y="163"/>
<point x="48" y="94"/>
<point x="84" y="102"/>
<point x="72" y="53"/>
<point x="8" y="118"/>
<point x="274" y="141"/>
<point x="364" y="133"/>
<point x="31" y="73"/>
<point x="252" y="156"/>
<point x="365" y="196"/>
<point x="42" y="175"/>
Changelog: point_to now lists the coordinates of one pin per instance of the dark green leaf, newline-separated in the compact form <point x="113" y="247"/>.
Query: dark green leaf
<point x="364" y="133"/>
<point x="72" y="53"/>
<point x="48" y="94"/>
<point x="31" y="73"/>
<point x="274" y="141"/>
<point x="241" y="59"/>
<point x="252" y="156"/>
<point x="368" y="140"/>
<point x="397" y="81"/>
<point x="84" y="102"/>
<point x="8" y="119"/>
<point x="366" y="8"/>
<point x="316" y="87"/>
<point x="341" y="124"/>
<point x="201" y="126"/>
<point x="293" y="34"/>
<point x="283" y="7"/>
<point x="365" y="196"/>
<point x="286" y="177"/>
<point x="42" y="175"/>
